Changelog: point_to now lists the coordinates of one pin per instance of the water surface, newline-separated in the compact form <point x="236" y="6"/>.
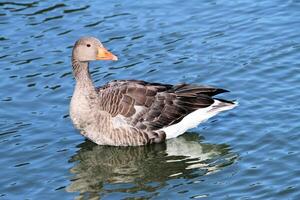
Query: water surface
<point x="250" y="48"/>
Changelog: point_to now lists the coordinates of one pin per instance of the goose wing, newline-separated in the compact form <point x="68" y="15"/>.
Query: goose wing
<point x="152" y="106"/>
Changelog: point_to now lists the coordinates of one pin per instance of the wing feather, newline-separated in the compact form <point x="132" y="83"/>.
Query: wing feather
<point x="160" y="105"/>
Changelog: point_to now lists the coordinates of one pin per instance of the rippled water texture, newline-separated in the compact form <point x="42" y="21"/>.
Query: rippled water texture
<point x="248" y="47"/>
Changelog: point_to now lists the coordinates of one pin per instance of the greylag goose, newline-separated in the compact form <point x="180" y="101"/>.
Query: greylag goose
<point x="133" y="112"/>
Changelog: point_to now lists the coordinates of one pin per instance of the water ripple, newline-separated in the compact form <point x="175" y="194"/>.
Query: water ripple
<point x="45" y="10"/>
<point x="110" y="166"/>
<point x="250" y="48"/>
<point x="76" y="9"/>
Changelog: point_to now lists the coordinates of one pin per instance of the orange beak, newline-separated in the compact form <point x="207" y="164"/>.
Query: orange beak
<point x="104" y="54"/>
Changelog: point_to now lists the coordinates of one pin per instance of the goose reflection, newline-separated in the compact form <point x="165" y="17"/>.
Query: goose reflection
<point x="97" y="167"/>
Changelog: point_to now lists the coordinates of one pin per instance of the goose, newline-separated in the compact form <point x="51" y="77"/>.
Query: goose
<point x="135" y="112"/>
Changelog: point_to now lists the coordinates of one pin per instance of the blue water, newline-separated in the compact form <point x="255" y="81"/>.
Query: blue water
<point x="250" y="48"/>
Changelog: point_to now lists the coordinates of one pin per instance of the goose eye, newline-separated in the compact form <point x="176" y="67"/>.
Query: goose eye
<point x="88" y="45"/>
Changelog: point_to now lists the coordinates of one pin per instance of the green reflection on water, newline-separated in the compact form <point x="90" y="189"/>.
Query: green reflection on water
<point x="105" y="169"/>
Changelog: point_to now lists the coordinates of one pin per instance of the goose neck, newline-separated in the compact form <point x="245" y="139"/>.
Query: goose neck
<point x="82" y="75"/>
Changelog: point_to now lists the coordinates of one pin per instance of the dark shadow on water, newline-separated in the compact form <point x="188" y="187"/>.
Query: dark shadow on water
<point x="99" y="170"/>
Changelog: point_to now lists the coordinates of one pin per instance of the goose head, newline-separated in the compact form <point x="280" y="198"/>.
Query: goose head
<point x="89" y="48"/>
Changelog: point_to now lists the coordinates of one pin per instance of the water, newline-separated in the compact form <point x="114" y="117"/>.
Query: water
<point x="251" y="48"/>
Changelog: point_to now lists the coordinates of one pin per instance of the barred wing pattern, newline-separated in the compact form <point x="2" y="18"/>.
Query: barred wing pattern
<point x="152" y="106"/>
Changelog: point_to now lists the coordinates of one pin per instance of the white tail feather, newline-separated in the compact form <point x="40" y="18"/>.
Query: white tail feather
<point x="193" y="119"/>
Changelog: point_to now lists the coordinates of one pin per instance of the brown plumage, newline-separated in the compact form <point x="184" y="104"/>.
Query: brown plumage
<point x="131" y="112"/>
<point x="160" y="104"/>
